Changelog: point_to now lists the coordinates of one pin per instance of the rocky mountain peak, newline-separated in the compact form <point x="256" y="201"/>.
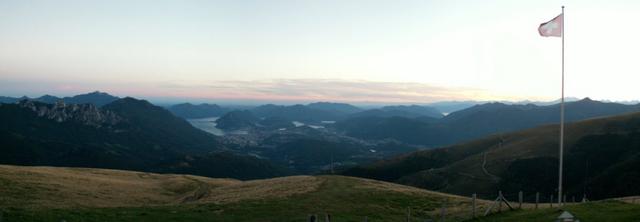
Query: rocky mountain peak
<point x="87" y="114"/>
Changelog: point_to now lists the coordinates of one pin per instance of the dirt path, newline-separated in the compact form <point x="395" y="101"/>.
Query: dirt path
<point x="201" y="191"/>
<point x="484" y="169"/>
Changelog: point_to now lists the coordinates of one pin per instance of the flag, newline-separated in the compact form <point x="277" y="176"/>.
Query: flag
<point x="552" y="28"/>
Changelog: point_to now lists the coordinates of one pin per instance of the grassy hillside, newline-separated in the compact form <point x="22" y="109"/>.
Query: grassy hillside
<point x="602" y="157"/>
<point x="606" y="211"/>
<point x="84" y="194"/>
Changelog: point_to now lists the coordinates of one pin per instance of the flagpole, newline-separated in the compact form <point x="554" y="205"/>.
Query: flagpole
<point x="561" y="117"/>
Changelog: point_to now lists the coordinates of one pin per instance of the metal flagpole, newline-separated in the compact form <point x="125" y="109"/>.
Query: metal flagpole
<point x="561" y="117"/>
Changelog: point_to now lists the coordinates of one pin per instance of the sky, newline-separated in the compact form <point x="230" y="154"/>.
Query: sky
<point x="361" y="51"/>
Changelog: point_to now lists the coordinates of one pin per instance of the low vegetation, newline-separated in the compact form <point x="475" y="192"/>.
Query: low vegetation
<point x="604" y="211"/>
<point x="83" y="194"/>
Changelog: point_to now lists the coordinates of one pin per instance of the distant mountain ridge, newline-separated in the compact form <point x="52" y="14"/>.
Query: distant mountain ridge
<point x="312" y="112"/>
<point x="319" y="113"/>
<point x="96" y="98"/>
<point x="298" y="112"/>
<point x="453" y="106"/>
<point x="475" y="122"/>
<point x="335" y="107"/>
<point x="412" y="111"/>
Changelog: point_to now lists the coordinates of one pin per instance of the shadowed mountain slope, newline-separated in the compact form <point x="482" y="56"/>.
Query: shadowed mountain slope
<point x="125" y="134"/>
<point x="601" y="157"/>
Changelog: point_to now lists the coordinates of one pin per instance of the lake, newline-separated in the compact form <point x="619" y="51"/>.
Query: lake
<point x="207" y="124"/>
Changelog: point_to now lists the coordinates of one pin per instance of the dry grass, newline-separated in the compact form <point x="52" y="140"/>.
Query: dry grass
<point x="630" y="199"/>
<point x="55" y="187"/>
<point x="392" y="187"/>
<point x="262" y="189"/>
<point x="47" y="188"/>
<point x="60" y="187"/>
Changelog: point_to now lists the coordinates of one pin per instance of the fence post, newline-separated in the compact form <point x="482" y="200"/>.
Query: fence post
<point x="520" y="200"/>
<point x="473" y="205"/>
<point x="537" y="199"/>
<point x="551" y="201"/>
<point x="408" y="214"/>
<point x="500" y="201"/>
<point x="327" y="218"/>
<point x="312" y="218"/>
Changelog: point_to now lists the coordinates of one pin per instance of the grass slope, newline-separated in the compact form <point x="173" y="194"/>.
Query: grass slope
<point x="84" y="194"/>
<point x="604" y="211"/>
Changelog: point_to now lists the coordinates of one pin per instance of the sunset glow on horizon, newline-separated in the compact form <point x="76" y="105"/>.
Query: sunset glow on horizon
<point x="304" y="51"/>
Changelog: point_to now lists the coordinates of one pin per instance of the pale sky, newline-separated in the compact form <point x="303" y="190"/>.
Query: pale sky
<point x="330" y="50"/>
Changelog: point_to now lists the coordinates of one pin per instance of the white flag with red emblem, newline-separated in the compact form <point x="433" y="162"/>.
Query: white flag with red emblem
<point x="552" y="28"/>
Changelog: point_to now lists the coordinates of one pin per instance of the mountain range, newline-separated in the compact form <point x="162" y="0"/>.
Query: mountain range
<point x="412" y="111"/>
<point x="96" y="98"/>
<point x="280" y="116"/>
<point x="133" y="134"/>
<point x="474" y="122"/>
<point x="125" y="134"/>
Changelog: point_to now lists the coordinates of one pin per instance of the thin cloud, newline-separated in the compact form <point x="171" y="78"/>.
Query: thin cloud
<point x="270" y="90"/>
<point x="328" y="90"/>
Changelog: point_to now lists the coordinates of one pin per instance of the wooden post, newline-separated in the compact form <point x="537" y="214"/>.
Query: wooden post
<point x="408" y="214"/>
<point x="327" y="218"/>
<point x="312" y="218"/>
<point x="520" y="200"/>
<point x="500" y="201"/>
<point x="551" y="201"/>
<point x="537" y="199"/>
<point x="473" y="205"/>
